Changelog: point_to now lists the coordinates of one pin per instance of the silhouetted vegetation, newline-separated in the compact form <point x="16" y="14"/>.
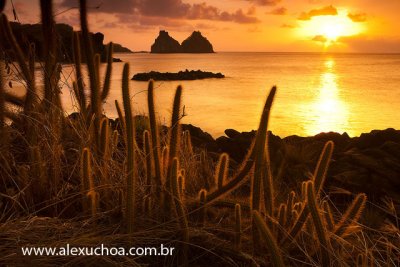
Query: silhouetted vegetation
<point x="82" y="180"/>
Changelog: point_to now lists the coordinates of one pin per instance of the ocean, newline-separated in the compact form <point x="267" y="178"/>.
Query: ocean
<point x="351" y="93"/>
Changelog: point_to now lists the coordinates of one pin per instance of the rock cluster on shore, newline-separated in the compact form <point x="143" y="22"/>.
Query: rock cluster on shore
<point x="178" y="76"/>
<point x="369" y="163"/>
<point x="195" y="43"/>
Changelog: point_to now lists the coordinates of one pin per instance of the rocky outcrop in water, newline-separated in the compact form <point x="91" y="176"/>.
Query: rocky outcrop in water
<point x="197" y="43"/>
<point x="177" y="76"/>
<point x="165" y="44"/>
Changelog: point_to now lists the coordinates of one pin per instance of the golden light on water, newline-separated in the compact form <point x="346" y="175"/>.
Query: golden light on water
<point x="329" y="111"/>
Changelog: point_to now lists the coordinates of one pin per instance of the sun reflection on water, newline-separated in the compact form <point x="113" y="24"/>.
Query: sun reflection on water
<point x="329" y="111"/>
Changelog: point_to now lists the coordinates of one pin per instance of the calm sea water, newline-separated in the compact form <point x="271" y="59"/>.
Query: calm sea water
<point x="351" y="93"/>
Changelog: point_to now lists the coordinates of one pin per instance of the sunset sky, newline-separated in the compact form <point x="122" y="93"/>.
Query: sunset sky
<point x="239" y="25"/>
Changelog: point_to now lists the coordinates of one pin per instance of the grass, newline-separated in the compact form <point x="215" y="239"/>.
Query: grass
<point x="85" y="181"/>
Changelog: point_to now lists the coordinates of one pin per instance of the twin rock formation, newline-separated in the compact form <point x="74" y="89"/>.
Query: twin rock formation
<point x="195" y="43"/>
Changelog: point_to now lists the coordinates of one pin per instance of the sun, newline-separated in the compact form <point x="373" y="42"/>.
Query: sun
<point x="329" y="29"/>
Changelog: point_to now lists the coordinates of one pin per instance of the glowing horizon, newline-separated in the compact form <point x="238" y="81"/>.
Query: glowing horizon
<point x="240" y="25"/>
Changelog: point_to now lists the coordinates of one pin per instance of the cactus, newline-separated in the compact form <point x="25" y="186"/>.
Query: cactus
<point x="107" y="78"/>
<point x="87" y="183"/>
<point x="154" y="137"/>
<point x="318" y="223"/>
<point x="104" y="138"/>
<point x="262" y="173"/>
<point x="180" y="211"/>
<point x="351" y="215"/>
<point x="265" y="232"/>
<point x="221" y="172"/>
<point x="149" y="159"/>
<point x="248" y="162"/>
<point x="289" y="208"/>
<point x="330" y="222"/>
<point x="174" y="142"/>
<point x="187" y="140"/>
<point x="181" y="183"/>
<point x="322" y="167"/>
<point x="91" y="66"/>
<point x="203" y="208"/>
<point x="130" y="137"/>
<point x="318" y="179"/>
<point x="238" y="227"/>
<point x="78" y="86"/>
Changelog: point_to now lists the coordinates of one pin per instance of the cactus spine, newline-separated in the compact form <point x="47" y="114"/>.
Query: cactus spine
<point x="130" y="137"/>
<point x="265" y="232"/>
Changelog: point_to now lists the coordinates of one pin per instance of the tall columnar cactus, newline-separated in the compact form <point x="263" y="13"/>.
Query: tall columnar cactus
<point x="122" y="122"/>
<point x="180" y="211"/>
<point x="104" y="139"/>
<point x="318" y="179"/>
<point x="174" y="140"/>
<point x="248" y="162"/>
<point x="221" y="171"/>
<point x="270" y="241"/>
<point x="203" y="208"/>
<point x="319" y="225"/>
<point x="330" y="221"/>
<point x="89" y="196"/>
<point x="91" y="66"/>
<point x="79" y="87"/>
<point x="289" y="208"/>
<point x="130" y="137"/>
<point x="351" y="215"/>
<point x="187" y="140"/>
<point x="107" y="77"/>
<point x="322" y="167"/>
<point x="155" y="138"/>
<point x="149" y="160"/>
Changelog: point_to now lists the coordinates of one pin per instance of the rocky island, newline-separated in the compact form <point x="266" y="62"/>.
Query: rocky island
<point x="195" y="43"/>
<point x="28" y="34"/>
<point x="177" y="76"/>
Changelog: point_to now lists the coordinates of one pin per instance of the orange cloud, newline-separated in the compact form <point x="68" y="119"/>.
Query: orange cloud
<point x="359" y="17"/>
<point x="320" y="38"/>
<point x="278" y="11"/>
<point x="324" y="11"/>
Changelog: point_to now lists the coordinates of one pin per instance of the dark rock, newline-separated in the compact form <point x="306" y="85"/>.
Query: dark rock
<point x="197" y="43"/>
<point x="117" y="48"/>
<point x="377" y="138"/>
<point x="178" y="76"/>
<point x="27" y="34"/>
<point x="232" y="133"/>
<point x="165" y="44"/>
